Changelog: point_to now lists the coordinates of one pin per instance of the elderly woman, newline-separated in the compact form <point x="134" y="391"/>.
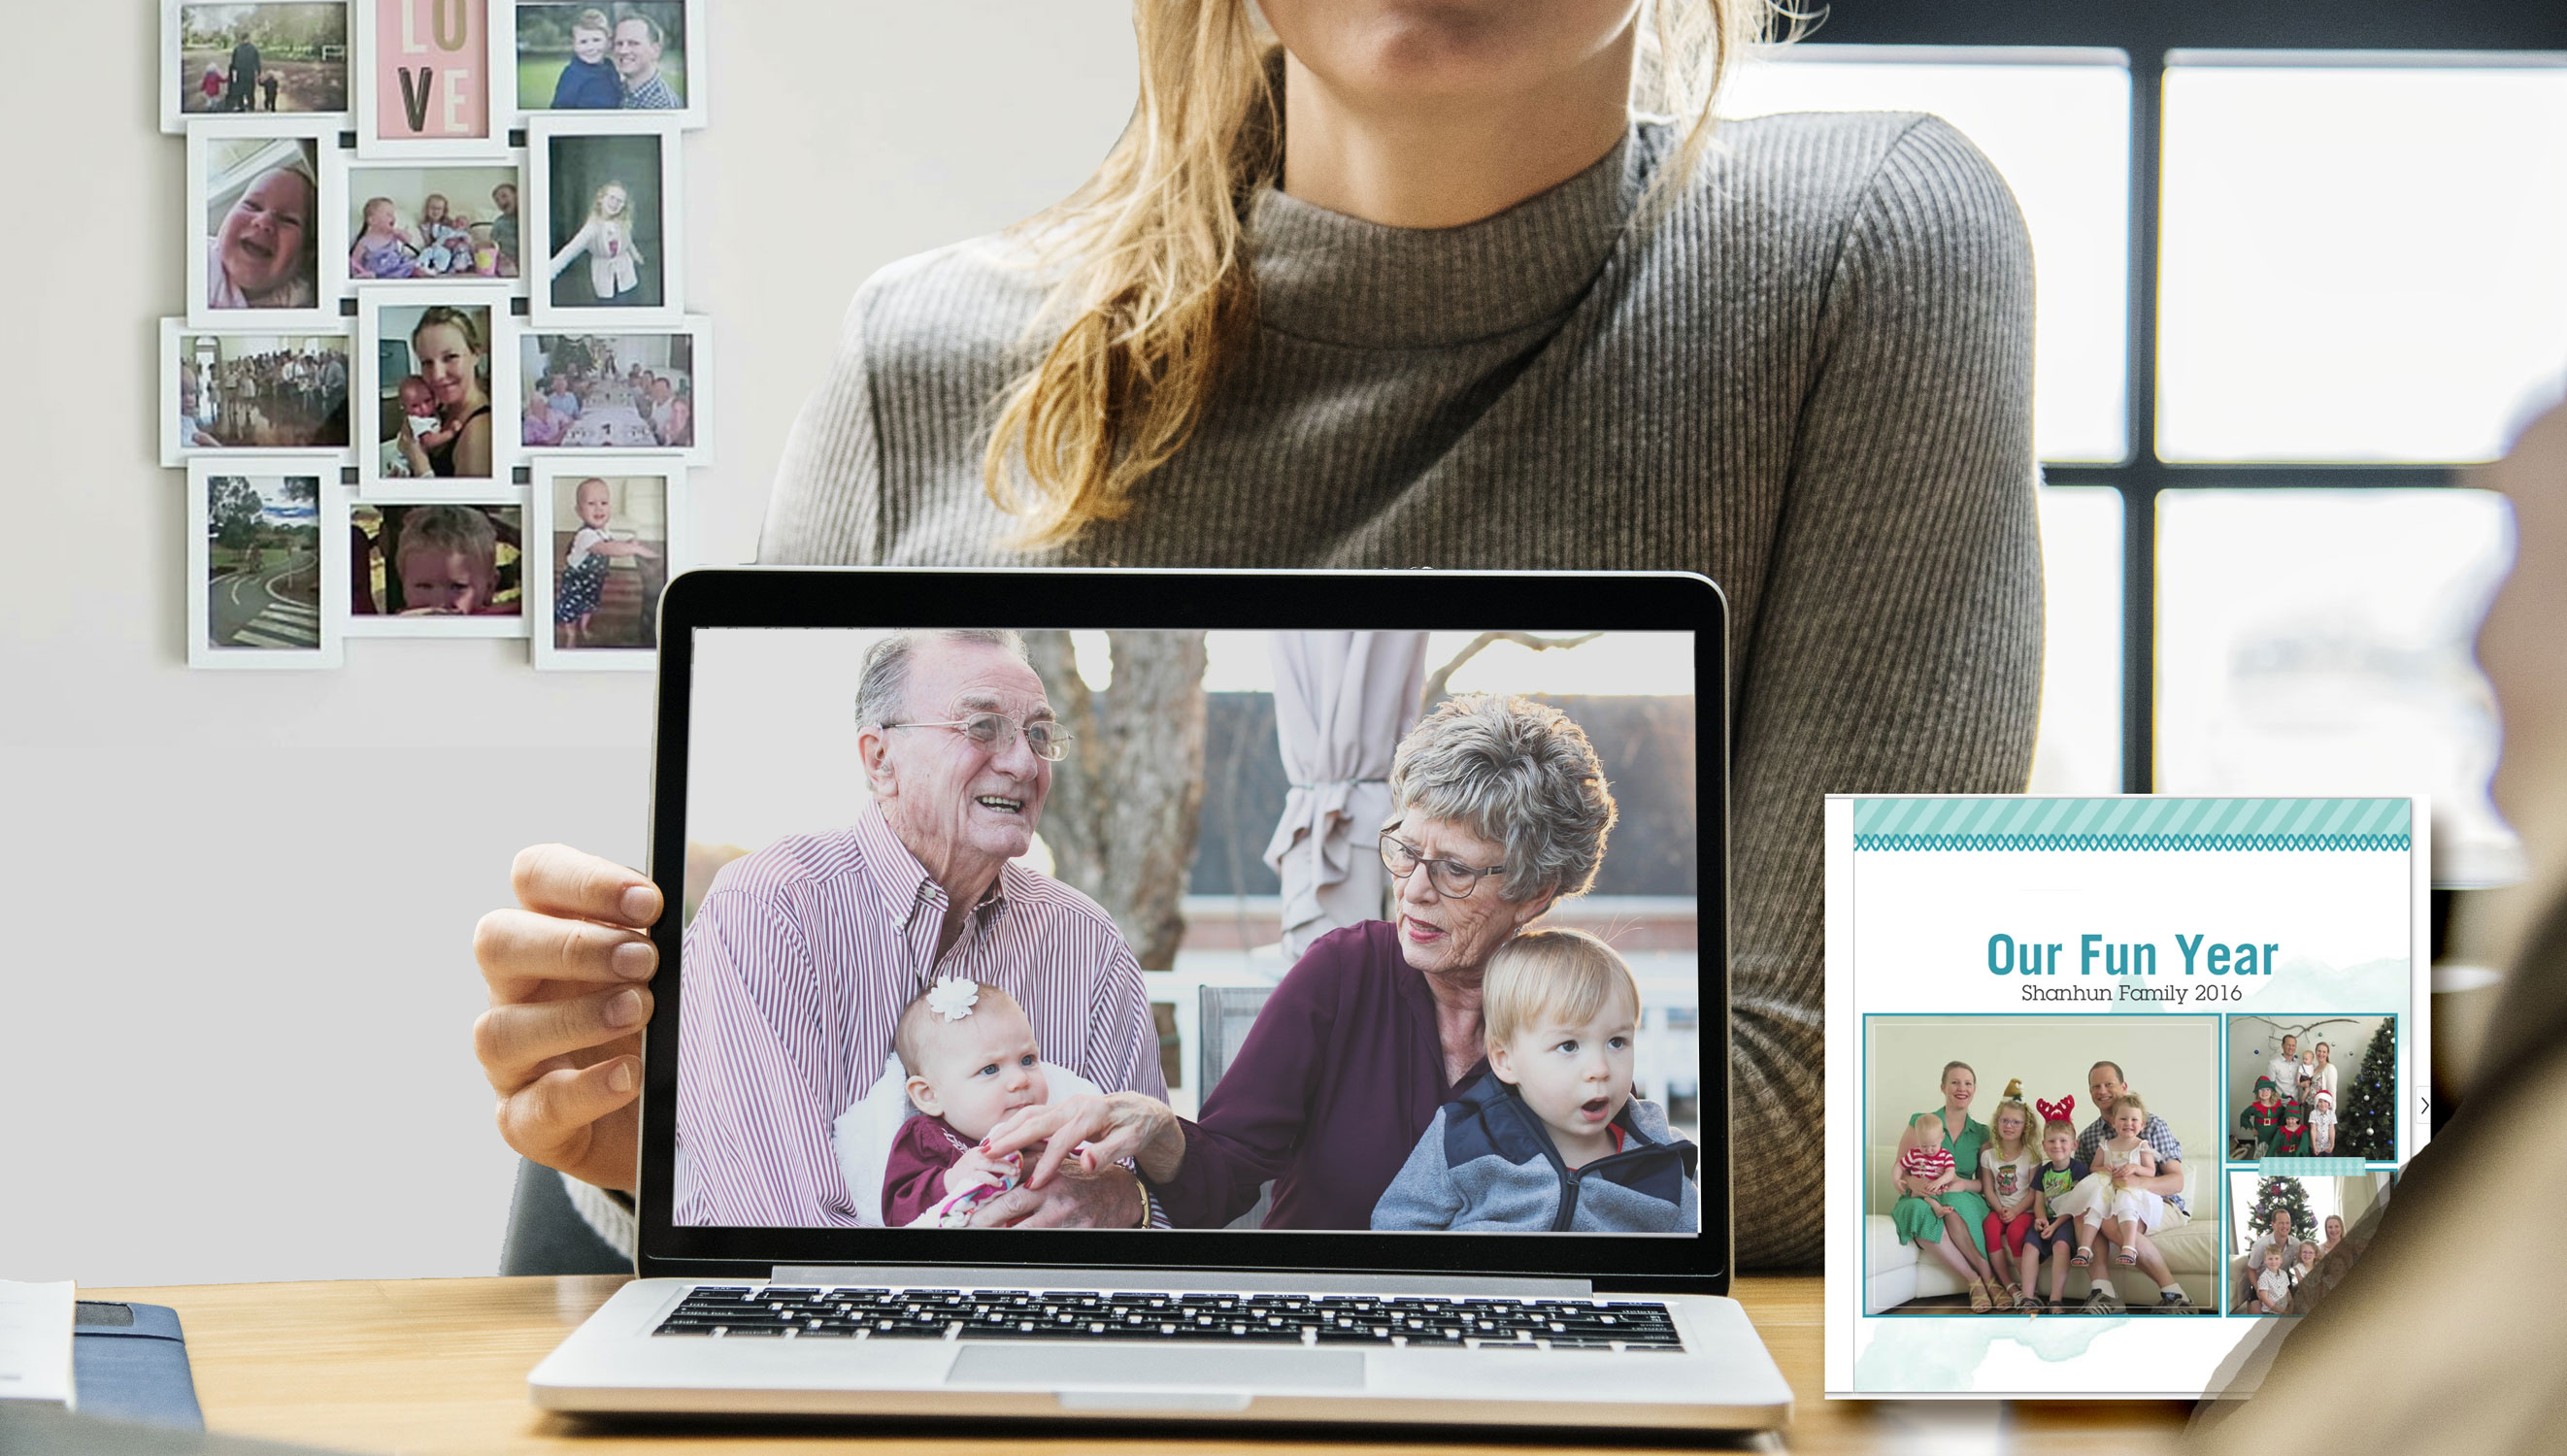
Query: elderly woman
<point x="1501" y="811"/>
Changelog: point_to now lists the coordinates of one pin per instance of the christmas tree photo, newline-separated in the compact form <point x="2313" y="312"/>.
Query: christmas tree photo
<point x="2367" y="1115"/>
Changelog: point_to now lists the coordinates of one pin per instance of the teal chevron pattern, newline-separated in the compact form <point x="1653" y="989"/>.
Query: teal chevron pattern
<point x="2129" y="823"/>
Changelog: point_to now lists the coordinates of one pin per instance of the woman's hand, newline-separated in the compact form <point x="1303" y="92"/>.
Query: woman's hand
<point x="561" y="1042"/>
<point x="1125" y="1126"/>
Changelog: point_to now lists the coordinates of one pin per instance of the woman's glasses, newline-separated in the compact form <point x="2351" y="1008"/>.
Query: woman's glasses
<point x="996" y="732"/>
<point x="1453" y="879"/>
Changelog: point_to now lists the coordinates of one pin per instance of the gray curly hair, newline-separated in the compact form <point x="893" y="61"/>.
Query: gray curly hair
<point x="1515" y="773"/>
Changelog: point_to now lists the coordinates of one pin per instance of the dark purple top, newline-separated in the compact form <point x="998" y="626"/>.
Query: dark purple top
<point x="1337" y="1079"/>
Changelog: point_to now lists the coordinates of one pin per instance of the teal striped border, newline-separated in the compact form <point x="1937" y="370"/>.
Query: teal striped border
<point x="2306" y="1167"/>
<point x="2129" y="823"/>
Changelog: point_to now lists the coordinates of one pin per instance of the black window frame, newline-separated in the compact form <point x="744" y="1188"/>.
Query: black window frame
<point x="2146" y="32"/>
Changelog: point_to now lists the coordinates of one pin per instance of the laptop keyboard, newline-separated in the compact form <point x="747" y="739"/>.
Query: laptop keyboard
<point x="775" y="1311"/>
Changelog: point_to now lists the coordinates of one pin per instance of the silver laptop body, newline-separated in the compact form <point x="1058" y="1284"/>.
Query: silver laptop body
<point x="1234" y="1324"/>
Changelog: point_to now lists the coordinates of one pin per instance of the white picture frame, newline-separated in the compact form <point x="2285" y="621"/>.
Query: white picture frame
<point x="497" y="58"/>
<point x="543" y="136"/>
<point x="266" y="625"/>
<point x="215" y="136"/>
<point x="695" y="329"/>
<point x="356" y="181"/>
<point x="178" y="80"/>
<point x="375" y="303"/>
<point x="698" y="64"/>
<point x="178" y="449"/>
<point x="370" y="624"/>
<point x="540" y="572"/>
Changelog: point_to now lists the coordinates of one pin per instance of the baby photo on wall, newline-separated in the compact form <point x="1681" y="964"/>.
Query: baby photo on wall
<point x="259" y="205"/>
<point x="609" y="253"/>
<point x="427" y="78"/>
<point x="586" y="55"/>
<point x="282" y="57"/>
<point x="607" y="539"/>
<point x="442" y="568"/>
<point x="408" y="223"/>
<point x="430" y="392"/>
<point x="251" y="391"/>
<point x="259" y="568"/>
<point x="611" y="392"/>
<point x="2035" y="1164"/>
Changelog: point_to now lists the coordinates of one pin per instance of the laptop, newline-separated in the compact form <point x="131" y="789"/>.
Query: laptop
<point x="777" y="1113"/>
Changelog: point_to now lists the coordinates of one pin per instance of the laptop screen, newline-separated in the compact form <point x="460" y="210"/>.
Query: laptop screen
<point x="1371" y="932"/>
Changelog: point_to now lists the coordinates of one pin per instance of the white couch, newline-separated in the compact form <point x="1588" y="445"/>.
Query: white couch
<point x="1894" y="1272"/>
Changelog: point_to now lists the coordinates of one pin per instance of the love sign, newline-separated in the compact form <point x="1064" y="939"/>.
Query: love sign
<point x="431" y="69"/>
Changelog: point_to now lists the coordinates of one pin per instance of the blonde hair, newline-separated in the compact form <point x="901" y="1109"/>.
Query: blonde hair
<point x="2012" y="1101"/>
<point x="593" y="19"/>
<point x="2127" y="1098"/>
<point x="1151" y="289"/>
<point x="1555" y="972"/>
<point x="918" y="1026"/>
<point x="448" y="530"/>
<point x="596" y="203"/>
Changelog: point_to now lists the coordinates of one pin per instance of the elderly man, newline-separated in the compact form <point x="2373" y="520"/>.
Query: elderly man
<point x="804" y="954"/>
<point x="2104" y="1084"/>
<point x="638" y="43"/>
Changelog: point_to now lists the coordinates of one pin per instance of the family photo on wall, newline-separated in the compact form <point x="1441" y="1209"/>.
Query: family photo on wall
<point x="2040" y="1164"/>
<point x="373" y="187"/>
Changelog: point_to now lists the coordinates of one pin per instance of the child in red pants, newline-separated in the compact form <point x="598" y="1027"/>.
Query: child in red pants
<point x="2006" y="1167"/>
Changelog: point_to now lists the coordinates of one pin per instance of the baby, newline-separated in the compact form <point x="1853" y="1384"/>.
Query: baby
<point x="2273" y="1286"/>
<point x="419" y="413"/>
<point x="382" y="250"/>
<point x="589" y="82"/>
<point x="583" y="576"/>
<point x="971" y="1057"/>
<point x="445" y="238"/>
<point x="447" y="562"/>
<point x="1552" y="1140"/>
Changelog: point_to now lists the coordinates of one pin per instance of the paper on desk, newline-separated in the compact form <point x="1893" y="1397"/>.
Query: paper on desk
<point x="36" y="1341"/>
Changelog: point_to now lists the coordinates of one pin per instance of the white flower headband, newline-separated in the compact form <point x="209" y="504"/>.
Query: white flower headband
<point x="952" y="998"/>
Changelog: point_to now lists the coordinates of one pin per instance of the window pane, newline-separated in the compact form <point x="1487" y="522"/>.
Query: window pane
<point x="2057" y="123"/>
<point x="2320" y="641"/>
<point x="2359" y="262"/>
<point x="2079" y="751"/>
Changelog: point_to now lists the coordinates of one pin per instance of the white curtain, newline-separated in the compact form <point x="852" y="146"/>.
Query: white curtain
<point x="1343" y="702"/>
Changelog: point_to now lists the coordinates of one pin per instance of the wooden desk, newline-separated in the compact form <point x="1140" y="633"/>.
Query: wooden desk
<point x="439" y="1366"/>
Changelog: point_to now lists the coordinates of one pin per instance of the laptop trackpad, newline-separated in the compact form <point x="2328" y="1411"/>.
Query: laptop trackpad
<point x="1063" y="1367"/>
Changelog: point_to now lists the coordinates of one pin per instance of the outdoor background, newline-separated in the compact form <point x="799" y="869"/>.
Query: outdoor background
<point x="304" y="42"/>
<point x="543" y="44"/>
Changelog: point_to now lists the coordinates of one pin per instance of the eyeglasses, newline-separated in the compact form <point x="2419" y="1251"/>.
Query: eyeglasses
<point x="996" y="732"/>
<point x="1452" y="879"/>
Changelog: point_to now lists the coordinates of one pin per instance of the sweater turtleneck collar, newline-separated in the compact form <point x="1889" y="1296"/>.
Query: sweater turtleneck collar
<point x="1337" y="279"/>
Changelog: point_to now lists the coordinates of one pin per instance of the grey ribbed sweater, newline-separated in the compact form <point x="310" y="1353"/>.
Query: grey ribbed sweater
<point x="1810" y="381"/>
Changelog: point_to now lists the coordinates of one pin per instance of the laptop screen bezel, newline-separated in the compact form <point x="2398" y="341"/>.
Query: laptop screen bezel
<point x="862" y="597"/>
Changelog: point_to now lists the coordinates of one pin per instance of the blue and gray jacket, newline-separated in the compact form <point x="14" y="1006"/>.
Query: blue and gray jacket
<point x="1487" y="1164"/>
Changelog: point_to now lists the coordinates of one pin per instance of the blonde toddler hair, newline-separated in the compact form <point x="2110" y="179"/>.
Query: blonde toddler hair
<point x="592" y="19"/>
<point x="2127" y="1098"/>
<point x="2013" y="1098"/>
<point x="449" y="530"/>
<point x="1554" y="971"/>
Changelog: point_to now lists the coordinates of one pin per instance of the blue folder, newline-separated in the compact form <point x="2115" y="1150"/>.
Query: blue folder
<point x="129" y="1363"/>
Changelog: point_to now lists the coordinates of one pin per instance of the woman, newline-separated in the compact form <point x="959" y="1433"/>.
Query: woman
<point x="1501" y="812"/>
<point x="2334" y="1235"/>
<point x="1410" y="286"/>
<point x="448" y="345"/>
<point x="1961" y="1211"/>
<point x="2322" y="1075"/>
<point x="541" y="425"/>
<point x="265" y="254"/>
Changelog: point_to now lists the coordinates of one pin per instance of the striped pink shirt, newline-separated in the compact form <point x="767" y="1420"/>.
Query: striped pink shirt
<point x="797" y="967"/>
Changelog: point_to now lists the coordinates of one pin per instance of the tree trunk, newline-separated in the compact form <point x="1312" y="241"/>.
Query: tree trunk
<point x="1121" y="818"/>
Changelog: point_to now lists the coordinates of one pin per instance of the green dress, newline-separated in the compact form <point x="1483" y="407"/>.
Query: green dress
<point x="1917" y="1219"/>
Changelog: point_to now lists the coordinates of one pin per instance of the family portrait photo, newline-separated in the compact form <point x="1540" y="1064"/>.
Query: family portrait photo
<point x="2040" y="1164"/>
<point x="256" y="547"/>
<point x="436" y="406"/>
<point x="426" y="77"/>
<point x="590" y="55"/>
<point x="441" y="568"/>
<point x="1273" y="1059"/>
<point x="2317" y="1086"/>
<point x="251" y="392"/>
<point x="638" y="392"/>
<point x="258" y="198"/>
<point x="608" y="192"/>
<point x="2287" y="1241"/>
<point x="406" y="223"/>
<point x="278" y="57"/>
<point x="606" y="535"/>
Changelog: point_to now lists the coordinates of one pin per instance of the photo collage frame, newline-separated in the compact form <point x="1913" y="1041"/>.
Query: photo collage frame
<point x="436" y="377"/>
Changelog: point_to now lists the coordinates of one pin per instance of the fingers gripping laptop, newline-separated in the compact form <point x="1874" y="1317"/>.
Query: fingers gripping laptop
<point x="914" y="1138"/>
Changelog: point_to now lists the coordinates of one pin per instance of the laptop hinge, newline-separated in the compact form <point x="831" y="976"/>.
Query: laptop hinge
<point x="1184" y="1280"/>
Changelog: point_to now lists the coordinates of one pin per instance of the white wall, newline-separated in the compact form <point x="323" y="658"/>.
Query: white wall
<point x="236" y="986"/>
